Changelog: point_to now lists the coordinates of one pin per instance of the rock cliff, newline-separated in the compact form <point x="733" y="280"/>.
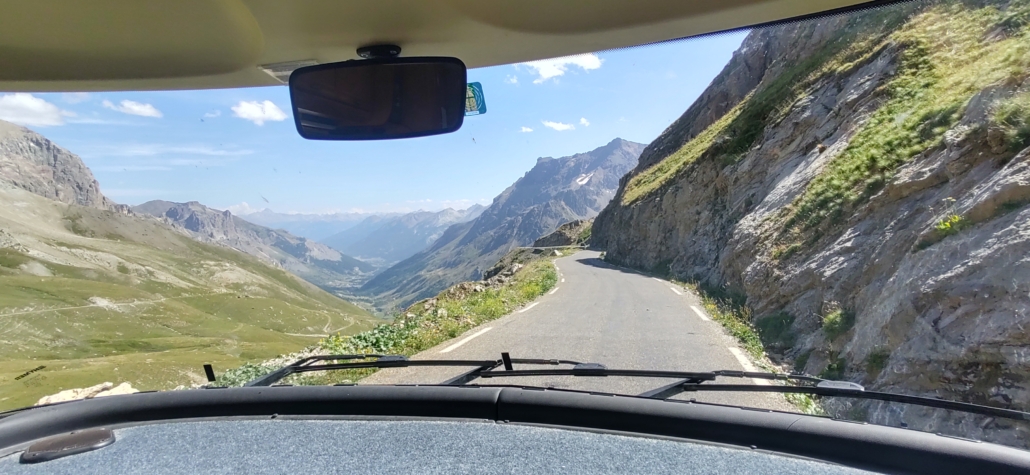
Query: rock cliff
<point x="35" y="164"/>
<point x="863" y="180"/>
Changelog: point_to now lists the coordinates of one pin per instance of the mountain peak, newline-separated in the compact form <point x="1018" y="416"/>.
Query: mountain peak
<point x="555" y="191"/>
<point x="31" y="162"/>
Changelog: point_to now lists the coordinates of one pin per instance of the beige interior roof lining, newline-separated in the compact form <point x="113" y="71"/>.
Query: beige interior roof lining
<point x="76" y="45"/>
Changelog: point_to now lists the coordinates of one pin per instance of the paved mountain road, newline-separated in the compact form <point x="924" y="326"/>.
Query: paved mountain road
<point x="599" y="313"/>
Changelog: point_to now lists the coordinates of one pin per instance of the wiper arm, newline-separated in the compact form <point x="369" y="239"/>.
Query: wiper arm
<point x="308" y="365"/>
<point x="688" y="381"/>
<point x="489" y="369"/>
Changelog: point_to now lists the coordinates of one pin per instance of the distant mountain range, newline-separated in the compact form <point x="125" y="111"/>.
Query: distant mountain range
<point x="311" y="226"/>
<point x="554" y="192"/>
<point x="389" y="239"/>
<point x="312" y="261"/>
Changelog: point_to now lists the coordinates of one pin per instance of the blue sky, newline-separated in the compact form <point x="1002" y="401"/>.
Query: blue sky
<point x="228" y="147"/>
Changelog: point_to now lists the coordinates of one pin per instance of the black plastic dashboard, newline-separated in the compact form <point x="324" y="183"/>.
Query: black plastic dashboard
<point x="681" y="423"/>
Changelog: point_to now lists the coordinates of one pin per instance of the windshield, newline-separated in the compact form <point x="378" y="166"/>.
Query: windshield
<point x="843" y="197"/>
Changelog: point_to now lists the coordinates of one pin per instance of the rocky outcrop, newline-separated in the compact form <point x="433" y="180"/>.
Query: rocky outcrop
<point x="554" y="192"/>
<point x="572" y="233"/>
<point x="31" y="162"/>
<point x="100" y="390"/>
<point x="863" y="180"/>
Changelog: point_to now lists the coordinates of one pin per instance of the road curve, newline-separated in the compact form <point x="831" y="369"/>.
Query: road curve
<point x="601" y="313"/>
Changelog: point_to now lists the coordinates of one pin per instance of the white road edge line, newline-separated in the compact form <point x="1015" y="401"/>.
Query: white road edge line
<point x="748" y="367"/>
<point x="674" y="290"/>
<point x="659" y="280"/>
<point x="563" y="280"/>
<point x="465" y="340"/>
<point x="553" y="291"/>
<point x="534" y="304"/>
<point x="700" y="313"/>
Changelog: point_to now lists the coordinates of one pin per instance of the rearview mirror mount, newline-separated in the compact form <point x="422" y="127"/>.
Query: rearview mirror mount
<point x="378" y="99"/>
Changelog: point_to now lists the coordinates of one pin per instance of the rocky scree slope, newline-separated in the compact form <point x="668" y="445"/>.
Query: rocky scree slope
<point x="863" y="181"/>
<point x="389" y="239"/>
<point x="554" y="192"/>
<point x="310" y="260"/>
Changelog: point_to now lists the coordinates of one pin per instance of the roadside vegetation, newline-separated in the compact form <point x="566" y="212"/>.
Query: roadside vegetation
<point x="422" y="326"/>
<point x="730" y="310"/>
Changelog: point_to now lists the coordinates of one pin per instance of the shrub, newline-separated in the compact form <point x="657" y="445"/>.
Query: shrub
<point x="877" y="360"/>
<point x="584" y="235"/>
<point x="801" y="362"/>
<point x="1012" y="116"/>
<point x="835" y="369"/>
<point x="775" y="329"/>
<point x="241" y="375"/>
<point x="951" y="225"/>
<point x="837" y="323"/>
<point x="784" y="252"/>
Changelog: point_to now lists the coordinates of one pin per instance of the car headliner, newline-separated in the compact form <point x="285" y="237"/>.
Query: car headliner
<point x="74" y="45"/>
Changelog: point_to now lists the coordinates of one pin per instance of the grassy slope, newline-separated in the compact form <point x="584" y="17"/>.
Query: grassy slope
<point x="172" y="304"/>
<point x="945" y="62"/>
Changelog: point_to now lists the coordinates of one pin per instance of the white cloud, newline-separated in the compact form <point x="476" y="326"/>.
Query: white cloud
<point x="134" y="108"/>
<point x="550" y="68"/>
<point x="558" y="125"/>
<point x="214" y="113"/>
<point x="511" y="79"/>
<point x="258" y="112"/>
<point x="242" y="209"/>
<point x="75" y="97"/>
<point x="526" y="129"/>
<point x="26" y="109"/>
<point x="584" y="122"/>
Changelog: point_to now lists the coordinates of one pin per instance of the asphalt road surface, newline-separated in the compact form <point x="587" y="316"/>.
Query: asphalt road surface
<point x="599" y="313"/>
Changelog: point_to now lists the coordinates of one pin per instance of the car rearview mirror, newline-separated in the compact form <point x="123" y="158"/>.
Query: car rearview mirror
<point x="376" y="99"/>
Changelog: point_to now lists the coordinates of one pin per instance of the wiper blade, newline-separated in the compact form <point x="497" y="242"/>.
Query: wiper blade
<point x="488" y="369"/>
<point x="836" y="391"/>
<point x="688" y="381"/>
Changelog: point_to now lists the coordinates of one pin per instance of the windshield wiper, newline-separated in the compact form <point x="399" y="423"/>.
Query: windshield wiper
<point x="687" y="381"/>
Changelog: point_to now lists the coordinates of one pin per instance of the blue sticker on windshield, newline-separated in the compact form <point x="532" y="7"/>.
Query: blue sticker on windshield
<point x="474" y="102"/>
